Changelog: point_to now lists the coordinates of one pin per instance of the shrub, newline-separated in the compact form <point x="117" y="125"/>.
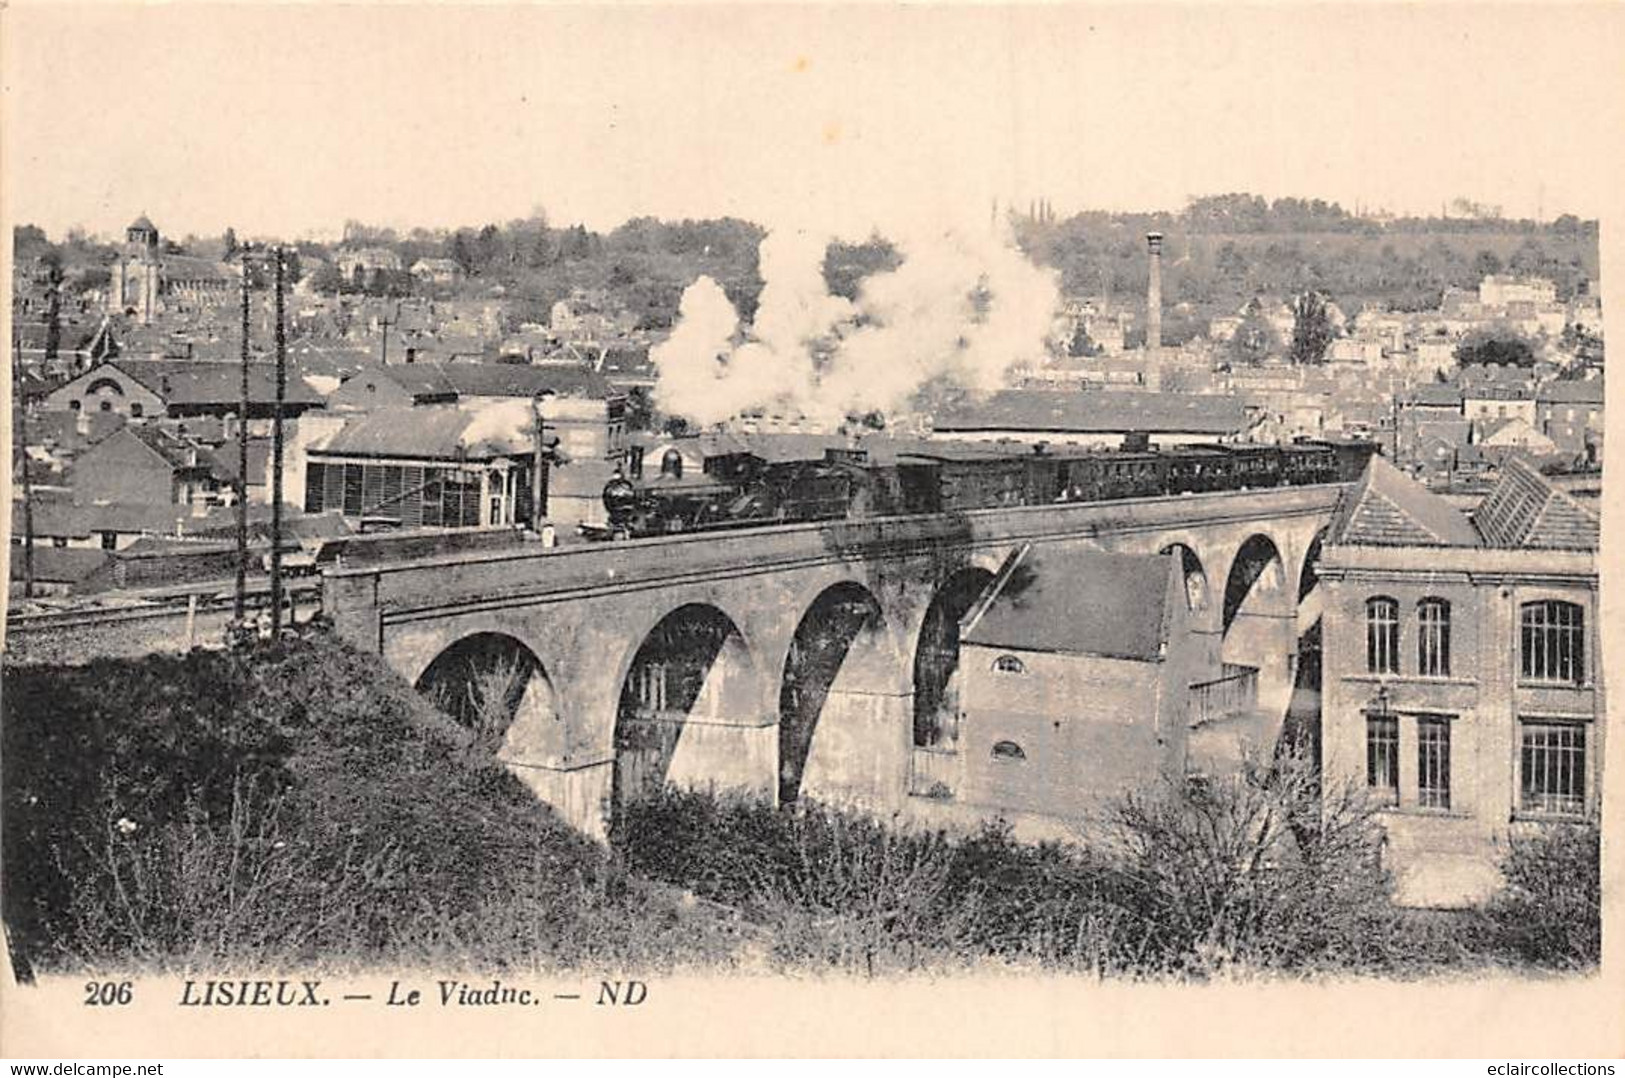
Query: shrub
<point x="1550" y="913"/>
<point x="292" y="803"/>
<point x="1264" y="869"/>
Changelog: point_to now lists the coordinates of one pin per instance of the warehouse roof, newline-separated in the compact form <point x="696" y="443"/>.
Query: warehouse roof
<point x="1099" y="412"/>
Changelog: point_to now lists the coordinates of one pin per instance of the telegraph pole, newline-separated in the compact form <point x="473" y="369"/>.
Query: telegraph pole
<point x="239" y="601"/>
<point x="276" y="454"/>
<point x="384" y="323"/>
<point x="28" y="484"/>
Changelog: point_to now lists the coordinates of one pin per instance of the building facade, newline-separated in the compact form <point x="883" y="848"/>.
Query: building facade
<point x="1061" y="714"/>
<point x="1463" y="687"/>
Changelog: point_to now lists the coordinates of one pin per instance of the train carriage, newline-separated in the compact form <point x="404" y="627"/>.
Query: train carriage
<point x="747" y="489"/>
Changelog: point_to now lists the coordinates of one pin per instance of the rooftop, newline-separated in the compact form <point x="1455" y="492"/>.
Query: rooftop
<point x="440" y="432"/>
<point x="1388" y="508"/>
<point x="1589" y="391"/>
<point x="1524" y="510"/>
<point x="1043" y="606"/>
<point x="1046" y="411"/>
<point x="185" y="382"/>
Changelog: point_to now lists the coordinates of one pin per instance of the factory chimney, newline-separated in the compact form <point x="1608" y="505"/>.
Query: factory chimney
<point x="1153" y="293"/>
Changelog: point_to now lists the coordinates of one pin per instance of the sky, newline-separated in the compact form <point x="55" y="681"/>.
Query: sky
<point x="288" y="120"/>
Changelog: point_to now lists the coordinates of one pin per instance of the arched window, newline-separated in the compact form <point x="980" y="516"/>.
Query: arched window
<point x="1009" y="664"/>
<point x="1553" y="641"/>
<point x="1008" y="750"/>
<point x="1433" y="638"/>
<point x="1382" y="635"/>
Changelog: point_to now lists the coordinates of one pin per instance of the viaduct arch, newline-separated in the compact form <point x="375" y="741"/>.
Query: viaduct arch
<point x="809" y="661"/>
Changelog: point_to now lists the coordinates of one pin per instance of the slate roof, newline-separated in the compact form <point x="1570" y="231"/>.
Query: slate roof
<point x="1387" y="508"/>
<point x="188" y="268"/>
<point x="432" y="433"/>
<point x="177" y="452"/>
<point x="519" y="380"/>
<point x="523" y="380"/>
<point x="1526" y="511"/>
<point x="1436" y="395"/>
<point x="1062" y="605"/>
<point x="1589" y="391"/>
<point x="1048" y="411"/>
<point x="202" y="382"/>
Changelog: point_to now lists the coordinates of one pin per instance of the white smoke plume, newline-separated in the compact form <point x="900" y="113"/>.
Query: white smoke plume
<point x="505" y="426"/>
<point x="961" y="307"/>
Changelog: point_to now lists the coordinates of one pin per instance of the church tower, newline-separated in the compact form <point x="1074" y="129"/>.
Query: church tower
<point x="133" y="287"/>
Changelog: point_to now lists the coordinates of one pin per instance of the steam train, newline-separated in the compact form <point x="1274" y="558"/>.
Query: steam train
<point x="745" y="489"/>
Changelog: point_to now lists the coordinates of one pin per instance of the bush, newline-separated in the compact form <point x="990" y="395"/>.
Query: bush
<point x="1263" y="870"/>
<point x="1258" y="872"/>
<point x="1550" y="913"/>
<point x="293" y="803"/>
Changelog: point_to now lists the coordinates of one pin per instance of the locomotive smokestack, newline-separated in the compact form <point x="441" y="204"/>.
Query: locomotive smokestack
<point x="1153" y="293"/>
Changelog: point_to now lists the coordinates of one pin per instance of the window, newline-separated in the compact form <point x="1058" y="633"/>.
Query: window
<point x="315" y="478"/>
<point x="74" y="406"/>
<point x="1433" y="638"/>
<point x="354" y="475"/>
<point x="1009" y="664"/>
<point x="1553" y="767"/>
<point x="1008" y="750"/>
<point x="1433" y="761"/>
<point x="1382" y="635"/>
<point x="135" y="409"/>
<point x="1382" y="758"/>
<point x="1553" y="641"/>
<point x="109" y="540"/>
<point x="107" y="406"/>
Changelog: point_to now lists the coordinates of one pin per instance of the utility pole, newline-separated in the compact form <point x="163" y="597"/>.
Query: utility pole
<point x="239" y="601"/>
<point x="539" y="477"/>
<point x="28" y="484"/>
<point x="53" y="316"/>
<point x="276" y="454"/>
<point x="384" y="323"/>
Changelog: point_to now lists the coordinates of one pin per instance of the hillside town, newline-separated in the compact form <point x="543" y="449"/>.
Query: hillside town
<point x="128" y="402"/>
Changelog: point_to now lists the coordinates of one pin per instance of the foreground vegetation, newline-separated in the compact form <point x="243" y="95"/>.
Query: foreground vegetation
<point x="296" y="805"/>
<point x="289" y="805"/>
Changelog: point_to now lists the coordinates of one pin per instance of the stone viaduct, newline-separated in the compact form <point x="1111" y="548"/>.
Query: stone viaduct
<point x="791" y="660"/>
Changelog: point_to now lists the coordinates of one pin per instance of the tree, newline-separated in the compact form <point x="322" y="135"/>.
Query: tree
<point x="1311" y="328"/>
<point x="1498" y="344"/>
<point x="1486" y="264"/>
<point x="327" y="279"/>
<point x="1081" y="344"/>
<point x="1255" y="339"/>
<point x="461" y="251"/>
<point x="639" y="409"/>
<point x="24" y="238"/>
<point x="229" y="242"/>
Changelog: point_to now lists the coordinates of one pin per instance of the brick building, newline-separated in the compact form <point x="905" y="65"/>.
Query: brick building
<point x="1463" y="685"/>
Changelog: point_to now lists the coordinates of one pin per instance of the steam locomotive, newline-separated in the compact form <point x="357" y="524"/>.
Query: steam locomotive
<point x="744" y="488"/>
